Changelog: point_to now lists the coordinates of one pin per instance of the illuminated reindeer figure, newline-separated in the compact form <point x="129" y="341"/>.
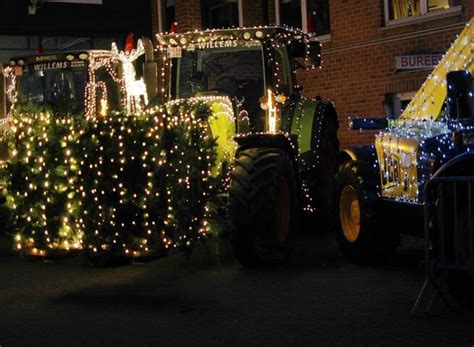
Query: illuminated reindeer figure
<point x="134" y="87"/>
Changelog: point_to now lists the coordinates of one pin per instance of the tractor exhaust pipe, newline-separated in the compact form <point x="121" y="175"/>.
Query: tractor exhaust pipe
<point x="150" y="70"/>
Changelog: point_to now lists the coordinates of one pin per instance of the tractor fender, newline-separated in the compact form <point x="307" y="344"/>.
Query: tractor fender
<point x="364" y="153"/>
<point x="284" y="142"/>
<point x="280" y="141"/>
<point x="460" y="165"/>
<point x="307" y="125"/>
<point x="302" y="124"/>
<point x="367" y="155"/>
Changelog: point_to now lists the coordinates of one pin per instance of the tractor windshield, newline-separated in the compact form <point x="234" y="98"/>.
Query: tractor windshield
<point x="237" y="71"/>
<point x="58" y="85"/>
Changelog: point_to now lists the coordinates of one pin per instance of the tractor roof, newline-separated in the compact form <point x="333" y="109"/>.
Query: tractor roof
<point x="254" y="33"/>
<point x="60" y="56"/>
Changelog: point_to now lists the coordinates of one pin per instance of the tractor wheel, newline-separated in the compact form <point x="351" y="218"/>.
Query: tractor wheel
<point x="361" y="237"/>
<point x="327" y="167"/>
<point x="263" y="206"/>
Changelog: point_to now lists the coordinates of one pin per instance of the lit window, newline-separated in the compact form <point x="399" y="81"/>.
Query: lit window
<point x="436" y="5"/>
<point x="400" y="9"/>
<point x="220" y="14"/>
<point x="310" y="15"/>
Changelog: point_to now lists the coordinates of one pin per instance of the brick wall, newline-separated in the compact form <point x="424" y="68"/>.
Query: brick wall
<point x="188" y="14"/>
<point x="252" y="12"/>
<point x="359" y="61"/>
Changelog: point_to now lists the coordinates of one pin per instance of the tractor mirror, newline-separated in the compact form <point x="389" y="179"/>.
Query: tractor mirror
<point x="298" y="49"/>
<point x="311" y="53"/>
<point x="460" y="94"/>
<point x="368" y="123"/>
<point x="315" y="53"/>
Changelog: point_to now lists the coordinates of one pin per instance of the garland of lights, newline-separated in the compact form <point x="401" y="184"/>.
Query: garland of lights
<point x="274" y="38"/>
<point x="39" y="179"/>
<point x="423" y="132"/>
<point x="118" y="184"/>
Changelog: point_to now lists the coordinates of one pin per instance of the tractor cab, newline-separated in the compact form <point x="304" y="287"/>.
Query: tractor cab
<point x="247" y="65"/>
<point x="63" y="82"/>
<point x="91" y="82"/>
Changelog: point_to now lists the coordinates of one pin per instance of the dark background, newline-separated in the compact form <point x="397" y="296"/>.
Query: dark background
<point x="111" y="19"/>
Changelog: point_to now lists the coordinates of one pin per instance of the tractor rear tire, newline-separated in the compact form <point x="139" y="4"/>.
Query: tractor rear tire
<point x="361" y="237"/>
<point x="263" y="206"/>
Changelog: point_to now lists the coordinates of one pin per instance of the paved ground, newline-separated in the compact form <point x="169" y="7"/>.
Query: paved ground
<point x="210" y="300"/>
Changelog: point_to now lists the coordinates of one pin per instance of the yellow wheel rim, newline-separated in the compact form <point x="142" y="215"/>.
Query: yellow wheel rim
<point x="349" y="213"/>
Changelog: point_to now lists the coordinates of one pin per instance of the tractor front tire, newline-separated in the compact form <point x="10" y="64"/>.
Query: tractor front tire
<point x="361" y="237"/>
<point x="263" y="206"/>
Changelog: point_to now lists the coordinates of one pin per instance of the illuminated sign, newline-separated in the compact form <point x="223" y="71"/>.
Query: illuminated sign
<point x="55" y="65"/>
<point x="217" y="44"/>
<point x="46" y="58"/>
<point x="420" y="61"/>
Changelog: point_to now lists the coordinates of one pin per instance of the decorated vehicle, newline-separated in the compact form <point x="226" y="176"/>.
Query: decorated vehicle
<point x="286" y="151"/>
<point x="92" y="82"/>
<point x="379" y="188"/>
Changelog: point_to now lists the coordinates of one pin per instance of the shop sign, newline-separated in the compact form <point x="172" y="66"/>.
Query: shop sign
<point x="418" y="61"/>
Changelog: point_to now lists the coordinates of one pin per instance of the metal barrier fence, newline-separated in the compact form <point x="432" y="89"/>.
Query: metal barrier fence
<point x="449" y="234"/>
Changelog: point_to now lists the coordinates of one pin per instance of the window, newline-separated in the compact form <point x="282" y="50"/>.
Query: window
<point x="283" y="71"/>
<point x="166" y="13"/>
<point x="236" y="71"/>
<point x="310" y="15"/>
<point x="221" y="14"/>
<point x="61" y="88"/>
<point x="398" y="102"/>
<point x="403" y="9"/>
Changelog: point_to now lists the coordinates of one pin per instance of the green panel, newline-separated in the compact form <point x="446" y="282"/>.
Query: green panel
<point x="302" y="124"/>
<point x="223" y="130"/>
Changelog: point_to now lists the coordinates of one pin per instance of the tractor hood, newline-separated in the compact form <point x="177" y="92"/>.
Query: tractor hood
<point x="222" y="124"/>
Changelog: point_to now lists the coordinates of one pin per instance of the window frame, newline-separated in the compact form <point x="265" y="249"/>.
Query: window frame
<point x="397" y="100"/>
<point x="239" y="11"/>
<point x="424" y="14"/>
<point x="159" y="4"/>
<point x="304" y="19"/>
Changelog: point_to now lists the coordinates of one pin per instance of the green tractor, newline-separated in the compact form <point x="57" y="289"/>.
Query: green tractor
<point x="286" y="145"/>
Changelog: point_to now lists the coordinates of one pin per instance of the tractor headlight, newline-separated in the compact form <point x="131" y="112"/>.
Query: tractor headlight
<point x="468" y="138"/>
<point x="463" y="138"/>
<point x="247" y="35"/>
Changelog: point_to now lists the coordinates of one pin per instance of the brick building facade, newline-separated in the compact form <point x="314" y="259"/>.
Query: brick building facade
<point x="360" y="48"/>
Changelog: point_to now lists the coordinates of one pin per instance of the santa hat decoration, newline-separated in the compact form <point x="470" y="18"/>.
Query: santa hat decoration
<point x="129" y="45"/>
<point x="173" y="27"/>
